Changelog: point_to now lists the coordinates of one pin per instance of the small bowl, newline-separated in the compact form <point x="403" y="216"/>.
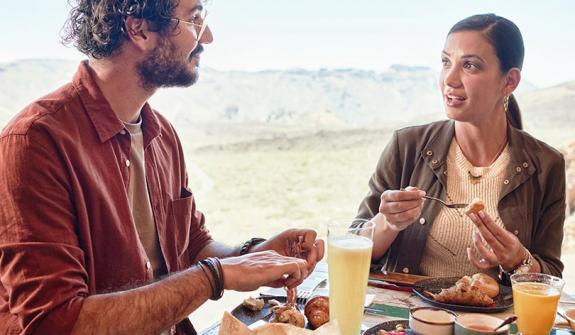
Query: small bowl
<point x="431" y="320"/>
<point x="570" y="316"/>
<point x="471" y="324"/>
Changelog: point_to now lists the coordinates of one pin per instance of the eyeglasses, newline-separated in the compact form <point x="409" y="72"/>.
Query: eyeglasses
<point x="199" y="22"/>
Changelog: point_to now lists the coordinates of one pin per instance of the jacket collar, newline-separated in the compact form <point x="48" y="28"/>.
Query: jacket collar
<point x="105" y="121"/>
<point x="521" y="165"/>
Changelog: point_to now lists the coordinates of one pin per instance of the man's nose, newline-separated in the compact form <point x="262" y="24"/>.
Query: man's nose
<point x="207" y="36"/>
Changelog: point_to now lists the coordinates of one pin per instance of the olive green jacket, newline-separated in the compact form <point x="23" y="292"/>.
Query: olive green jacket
<point x="531" y="204"/>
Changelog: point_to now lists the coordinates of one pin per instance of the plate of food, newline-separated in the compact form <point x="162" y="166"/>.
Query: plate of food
<point x="274" y="309"/>
<point x="477" y="293"/>
<point x="395" y="327"/>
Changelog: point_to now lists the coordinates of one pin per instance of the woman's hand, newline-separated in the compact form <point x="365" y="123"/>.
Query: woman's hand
<point x="401" y="208"/>
<point x="505" y="249"/>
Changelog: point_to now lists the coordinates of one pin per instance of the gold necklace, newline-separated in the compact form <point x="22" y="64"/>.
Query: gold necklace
<point x="478" y="173"/>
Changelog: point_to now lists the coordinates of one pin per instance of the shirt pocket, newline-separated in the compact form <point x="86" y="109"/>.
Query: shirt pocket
<point x="180" y="218"/>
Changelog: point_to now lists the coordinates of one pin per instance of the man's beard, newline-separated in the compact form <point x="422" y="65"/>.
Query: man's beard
<point x="163" y="67"/>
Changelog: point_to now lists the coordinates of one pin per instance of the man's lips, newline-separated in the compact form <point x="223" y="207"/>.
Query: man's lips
<point x="197" y="51"/>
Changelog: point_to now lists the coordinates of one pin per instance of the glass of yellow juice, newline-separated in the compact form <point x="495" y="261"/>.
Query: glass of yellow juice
<point x="348" y="257"/>
<point x="535" y="300"/>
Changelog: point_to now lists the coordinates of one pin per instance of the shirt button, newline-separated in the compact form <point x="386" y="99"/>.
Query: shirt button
<point x="148" y="265"/>
<point x="518" y="169"/>
<point x="405" y="270"/>
<point x="516" y="232"/>
<point x="429" y="153"/>
<point x="506" y="181"/>
<point x="421" y="220"/>
<point x="127" y="162"/>
<point x="525" y="165"/>
<point x="123" y="132"/>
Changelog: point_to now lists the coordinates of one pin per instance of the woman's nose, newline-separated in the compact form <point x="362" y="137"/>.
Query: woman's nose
<point x="451" y="77"/>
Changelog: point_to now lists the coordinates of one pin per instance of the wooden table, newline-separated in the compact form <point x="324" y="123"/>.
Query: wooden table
<point x="410" y="300"/>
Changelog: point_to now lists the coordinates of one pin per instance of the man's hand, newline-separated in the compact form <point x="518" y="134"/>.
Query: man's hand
<point x="311" y="249"/>
<point x="266" y="268"/>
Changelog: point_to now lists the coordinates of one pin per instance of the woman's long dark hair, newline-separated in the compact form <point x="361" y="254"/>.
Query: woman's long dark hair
<point x="507" y="41"/>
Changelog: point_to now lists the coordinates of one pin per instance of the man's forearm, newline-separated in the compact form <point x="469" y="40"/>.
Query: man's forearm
<point x="148" y="309"/>
<point x="216" y="249"/>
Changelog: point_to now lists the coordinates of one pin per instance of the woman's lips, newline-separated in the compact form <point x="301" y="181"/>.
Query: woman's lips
<point x="454" y="100"/>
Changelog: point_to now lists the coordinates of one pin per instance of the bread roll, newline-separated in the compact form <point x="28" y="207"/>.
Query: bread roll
<point x="474" y="206"/>
<point x="485" y="284"/>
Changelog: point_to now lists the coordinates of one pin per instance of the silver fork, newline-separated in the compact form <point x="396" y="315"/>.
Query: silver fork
<point x="445" y="203"/>
<point x="303" y="296"/>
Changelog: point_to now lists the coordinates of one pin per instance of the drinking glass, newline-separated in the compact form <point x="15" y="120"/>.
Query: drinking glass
<point x="349" y="256"/>
<point x="535" y="300"/>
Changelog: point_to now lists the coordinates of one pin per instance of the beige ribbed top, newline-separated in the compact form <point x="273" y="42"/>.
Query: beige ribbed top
<point x="445" y="252"/>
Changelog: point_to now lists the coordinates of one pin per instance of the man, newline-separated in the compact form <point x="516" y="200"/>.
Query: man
<point x="99" y="233"/>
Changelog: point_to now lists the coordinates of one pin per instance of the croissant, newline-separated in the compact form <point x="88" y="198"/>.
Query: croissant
<point x="317" y="311"/>
<point x="464" y="293"/>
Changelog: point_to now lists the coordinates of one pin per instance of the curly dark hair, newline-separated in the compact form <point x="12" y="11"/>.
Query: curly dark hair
<point x="96" y="27"/>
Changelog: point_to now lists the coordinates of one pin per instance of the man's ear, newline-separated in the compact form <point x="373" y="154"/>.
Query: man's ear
<point x="138" y="33"/>
<point x="512" y="79"/>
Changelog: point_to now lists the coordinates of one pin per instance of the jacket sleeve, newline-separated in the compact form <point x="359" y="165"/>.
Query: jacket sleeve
<point x="547" y="236"/>
<point x="43" y="280"/>
<point x="385" y="177"/>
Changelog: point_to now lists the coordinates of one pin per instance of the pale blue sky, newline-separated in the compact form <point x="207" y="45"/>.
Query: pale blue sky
<point x="312" y="34"/>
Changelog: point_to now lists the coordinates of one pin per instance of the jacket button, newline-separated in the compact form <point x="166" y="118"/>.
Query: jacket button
<point x="429" y="153"/>
<point x="148" y="265"/>
<point x="516" y="232"/>
<point x="518" y="169"/>
<point x="405" y="270"/>
<point x="434" y="161"/>
<point x="127" y="162"/>
<point x="421" y="220"/>
<point x="525" y="165"/>
<point x="506" y="181"/>
<point x="445" y="172"/>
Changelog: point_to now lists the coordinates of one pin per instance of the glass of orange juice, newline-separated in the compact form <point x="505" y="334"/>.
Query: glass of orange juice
<point x="348" y="259"/>
<point x="535" y="300"/>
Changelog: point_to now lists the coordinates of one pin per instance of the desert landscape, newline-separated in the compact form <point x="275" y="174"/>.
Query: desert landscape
<point x="275" y="149"/>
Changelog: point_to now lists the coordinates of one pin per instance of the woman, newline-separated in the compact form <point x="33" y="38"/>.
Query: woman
<point x="480" y="152"/>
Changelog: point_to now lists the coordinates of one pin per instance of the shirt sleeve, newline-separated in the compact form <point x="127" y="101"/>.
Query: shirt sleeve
<point x="42" y="270"/>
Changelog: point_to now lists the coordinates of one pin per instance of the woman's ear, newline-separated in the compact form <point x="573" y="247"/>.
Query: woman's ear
<point x="138" y="33"/>
<point x="512" y="79"/>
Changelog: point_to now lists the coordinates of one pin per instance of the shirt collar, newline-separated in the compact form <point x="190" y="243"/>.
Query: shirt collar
<point x="105" y="121"/>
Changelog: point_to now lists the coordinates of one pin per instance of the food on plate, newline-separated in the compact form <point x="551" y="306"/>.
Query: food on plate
<point x="486" y="284"/>
<point x="253" y="304"/>
<point x="317" y="311"/>
<point x="399" y="330"/>
<point x="467" y="291"/>
<point x="288" y="313"/>
<point x="474" y="206"/>
<point x="230" y="325"/>
<point x="273" y="302"/>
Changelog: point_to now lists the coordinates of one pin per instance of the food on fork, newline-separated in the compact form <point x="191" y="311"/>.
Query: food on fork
<point x="474" y="206"/>
<point x="317" y="311"/>
<point x="466" y="291"/>
<point x="253" y="304"/>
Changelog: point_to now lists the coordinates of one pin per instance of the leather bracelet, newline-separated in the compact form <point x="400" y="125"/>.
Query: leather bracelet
<point x="208" y="274"/>
<point x="215" y="268"/>
<point x="250" y="243"/>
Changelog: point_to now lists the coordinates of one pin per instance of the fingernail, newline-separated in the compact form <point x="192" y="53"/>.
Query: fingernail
<point x="422" y="193"/>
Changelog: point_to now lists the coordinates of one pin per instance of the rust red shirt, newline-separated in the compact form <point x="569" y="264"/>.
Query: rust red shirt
<point x="66" y="229"/>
